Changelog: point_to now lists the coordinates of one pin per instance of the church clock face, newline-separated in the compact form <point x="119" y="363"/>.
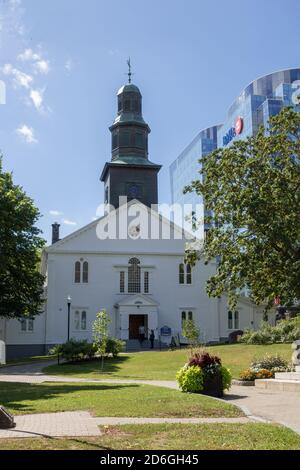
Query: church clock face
<point x="133" y="191"/>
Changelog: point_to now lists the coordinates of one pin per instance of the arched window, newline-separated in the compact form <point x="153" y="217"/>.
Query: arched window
<point x="181" y="273"/>
<point x="85" y="272"/>
<point x="77" y="272"/>
<point x="76" y="320"/>
<point x="236" y="320"/>
<point x="188" y="274"/>
<point x="83" y="320"/>
<point x="134" y="276"/>
<point x="230" y="320"/>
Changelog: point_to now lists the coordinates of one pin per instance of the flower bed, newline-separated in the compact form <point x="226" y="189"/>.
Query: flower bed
<point x="264" y="368"/>
<point x="204" y="374"/>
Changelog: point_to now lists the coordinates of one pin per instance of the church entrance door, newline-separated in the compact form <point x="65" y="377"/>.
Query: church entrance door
<point x="138" y="326"/>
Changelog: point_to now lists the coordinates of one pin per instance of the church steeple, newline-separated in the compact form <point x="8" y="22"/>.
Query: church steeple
<point x="129" y="130"/>
<point x="130" y="173"/>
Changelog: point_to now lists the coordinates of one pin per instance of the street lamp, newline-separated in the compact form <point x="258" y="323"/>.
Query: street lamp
<point x="69" y="300"/>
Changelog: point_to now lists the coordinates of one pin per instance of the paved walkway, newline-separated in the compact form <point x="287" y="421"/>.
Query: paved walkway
<point x="277" y="406"/>
<point x="77" y="423"/>
<point x="258" y="404"/>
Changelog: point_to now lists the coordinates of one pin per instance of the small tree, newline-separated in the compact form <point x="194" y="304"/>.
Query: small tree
<point x="191" y="332"/>
<point x="100" y="334"/>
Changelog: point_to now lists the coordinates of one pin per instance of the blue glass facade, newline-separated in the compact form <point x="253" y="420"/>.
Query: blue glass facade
<point x="260" y="100"/>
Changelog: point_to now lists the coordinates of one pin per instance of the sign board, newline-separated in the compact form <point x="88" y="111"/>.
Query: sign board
<point x="165" y="331"/>
<point x="237" y="129"/>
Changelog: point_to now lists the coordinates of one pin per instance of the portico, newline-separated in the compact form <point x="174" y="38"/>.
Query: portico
<point x="133" y="312"/>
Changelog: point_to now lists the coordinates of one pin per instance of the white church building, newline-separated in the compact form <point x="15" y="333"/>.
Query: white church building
<point x="139" y="277"/>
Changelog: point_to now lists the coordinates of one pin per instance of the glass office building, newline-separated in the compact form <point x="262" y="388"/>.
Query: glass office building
<point x="260" y="100"/>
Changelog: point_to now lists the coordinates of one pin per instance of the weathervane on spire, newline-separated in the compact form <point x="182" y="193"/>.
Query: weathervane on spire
<point x="129" y="70"/>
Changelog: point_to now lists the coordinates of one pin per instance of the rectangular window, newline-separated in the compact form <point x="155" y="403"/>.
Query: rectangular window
<point x="188" y="274"/>
<point x="146" y="282"/>
<point x="139" y="140"/>
<point x="181" y="273"/>
<point x="127" y="105"/>
<point x="80" y="320"/>
<point x="230" y="321"/>
<point x="76" y="320"/>
<point x="236" y="320"/>
<point x="27" y="324"/>
<point x="183" y="318"/>
<point x="83" y="320"/>
<point x="190" y="315"/>
<point x="122" y="282"/>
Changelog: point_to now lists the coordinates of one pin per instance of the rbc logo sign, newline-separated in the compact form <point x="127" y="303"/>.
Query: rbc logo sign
<point x="233" y="131"/>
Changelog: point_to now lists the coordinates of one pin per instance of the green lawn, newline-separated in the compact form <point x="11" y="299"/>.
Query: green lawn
<point x="110" y="400"/>
<point x="163" y="365"/>
<point x="29" y="360"/>
<point x="171" y="437"/>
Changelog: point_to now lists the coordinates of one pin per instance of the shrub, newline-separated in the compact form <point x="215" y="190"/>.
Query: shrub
<point x="273" y="363"/>
<point x="264" y="374"/>
<point x="247" y="375"/>
<point x="226" y="378"/>
<point x="190" y="379"/>
<point x="286" y="331"/>
<point x="114" y="346"/>
<point x="203" y="359"/>
<point x="77" y="350"/>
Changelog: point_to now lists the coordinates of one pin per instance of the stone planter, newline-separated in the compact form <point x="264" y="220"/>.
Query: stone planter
<point x="213" y="385"/>
<point x="243" y="383"/>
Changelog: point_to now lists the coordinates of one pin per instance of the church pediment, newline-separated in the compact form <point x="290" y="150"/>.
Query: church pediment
<point x="137" y="300"/>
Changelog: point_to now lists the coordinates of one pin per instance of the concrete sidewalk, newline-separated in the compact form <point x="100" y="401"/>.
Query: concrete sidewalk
<point x="277" y="406"/>
<point x="81" y="423"/>
<point x="77" y="423"/>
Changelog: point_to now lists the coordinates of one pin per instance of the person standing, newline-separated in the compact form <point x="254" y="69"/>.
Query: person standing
<point x="152" y="337"/>
<point x="141" y="334"/>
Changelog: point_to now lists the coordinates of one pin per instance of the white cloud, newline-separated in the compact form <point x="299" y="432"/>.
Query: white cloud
<point x="42" y="66"/>
<point x="55" y="213"/>
<point x="27" y="55"/>
<point x="38" y="63"/>
<point x="37" y="98"/>
<point x="27" y="133"/>
<point x="69" y="222"/>
<point x="19" y="78"/>
<point x="69" y="65"/>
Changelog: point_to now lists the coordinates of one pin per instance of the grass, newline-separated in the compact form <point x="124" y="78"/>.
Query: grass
<point x="164" y="364"/>
<point x="250" y="436"/>
<point x="110" y="400"/>
<point x="28" y="360"/>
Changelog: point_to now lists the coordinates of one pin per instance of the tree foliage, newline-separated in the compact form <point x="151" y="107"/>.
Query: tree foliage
<point x="100" y="334"/>
<point x="21" y="284"/>
<point x="252" y="193"/>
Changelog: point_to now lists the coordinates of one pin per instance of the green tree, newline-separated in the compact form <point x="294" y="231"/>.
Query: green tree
<point x="252" y="190"/>
<point x="100" y="334"/>
<point x="191" y="332"/>
<point x="21" y="284"/>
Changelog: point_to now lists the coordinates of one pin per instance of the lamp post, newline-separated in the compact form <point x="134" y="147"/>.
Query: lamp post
<point x="69" y="300"/>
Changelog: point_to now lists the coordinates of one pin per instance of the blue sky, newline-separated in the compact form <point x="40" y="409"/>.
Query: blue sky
<point x="63" y="61"/>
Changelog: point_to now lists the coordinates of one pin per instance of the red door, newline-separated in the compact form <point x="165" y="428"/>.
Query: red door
<point x="135" y="321"/>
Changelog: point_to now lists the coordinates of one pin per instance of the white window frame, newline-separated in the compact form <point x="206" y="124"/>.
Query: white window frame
<point x="142" y="290"/>
<point x="185" y="274"/>
<point x="235" y="320"/>
<point x="81" y="261"/>
<point x="26" y="322"/>
<point x="80" y="312"/>
<point x="187" y="311"/>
